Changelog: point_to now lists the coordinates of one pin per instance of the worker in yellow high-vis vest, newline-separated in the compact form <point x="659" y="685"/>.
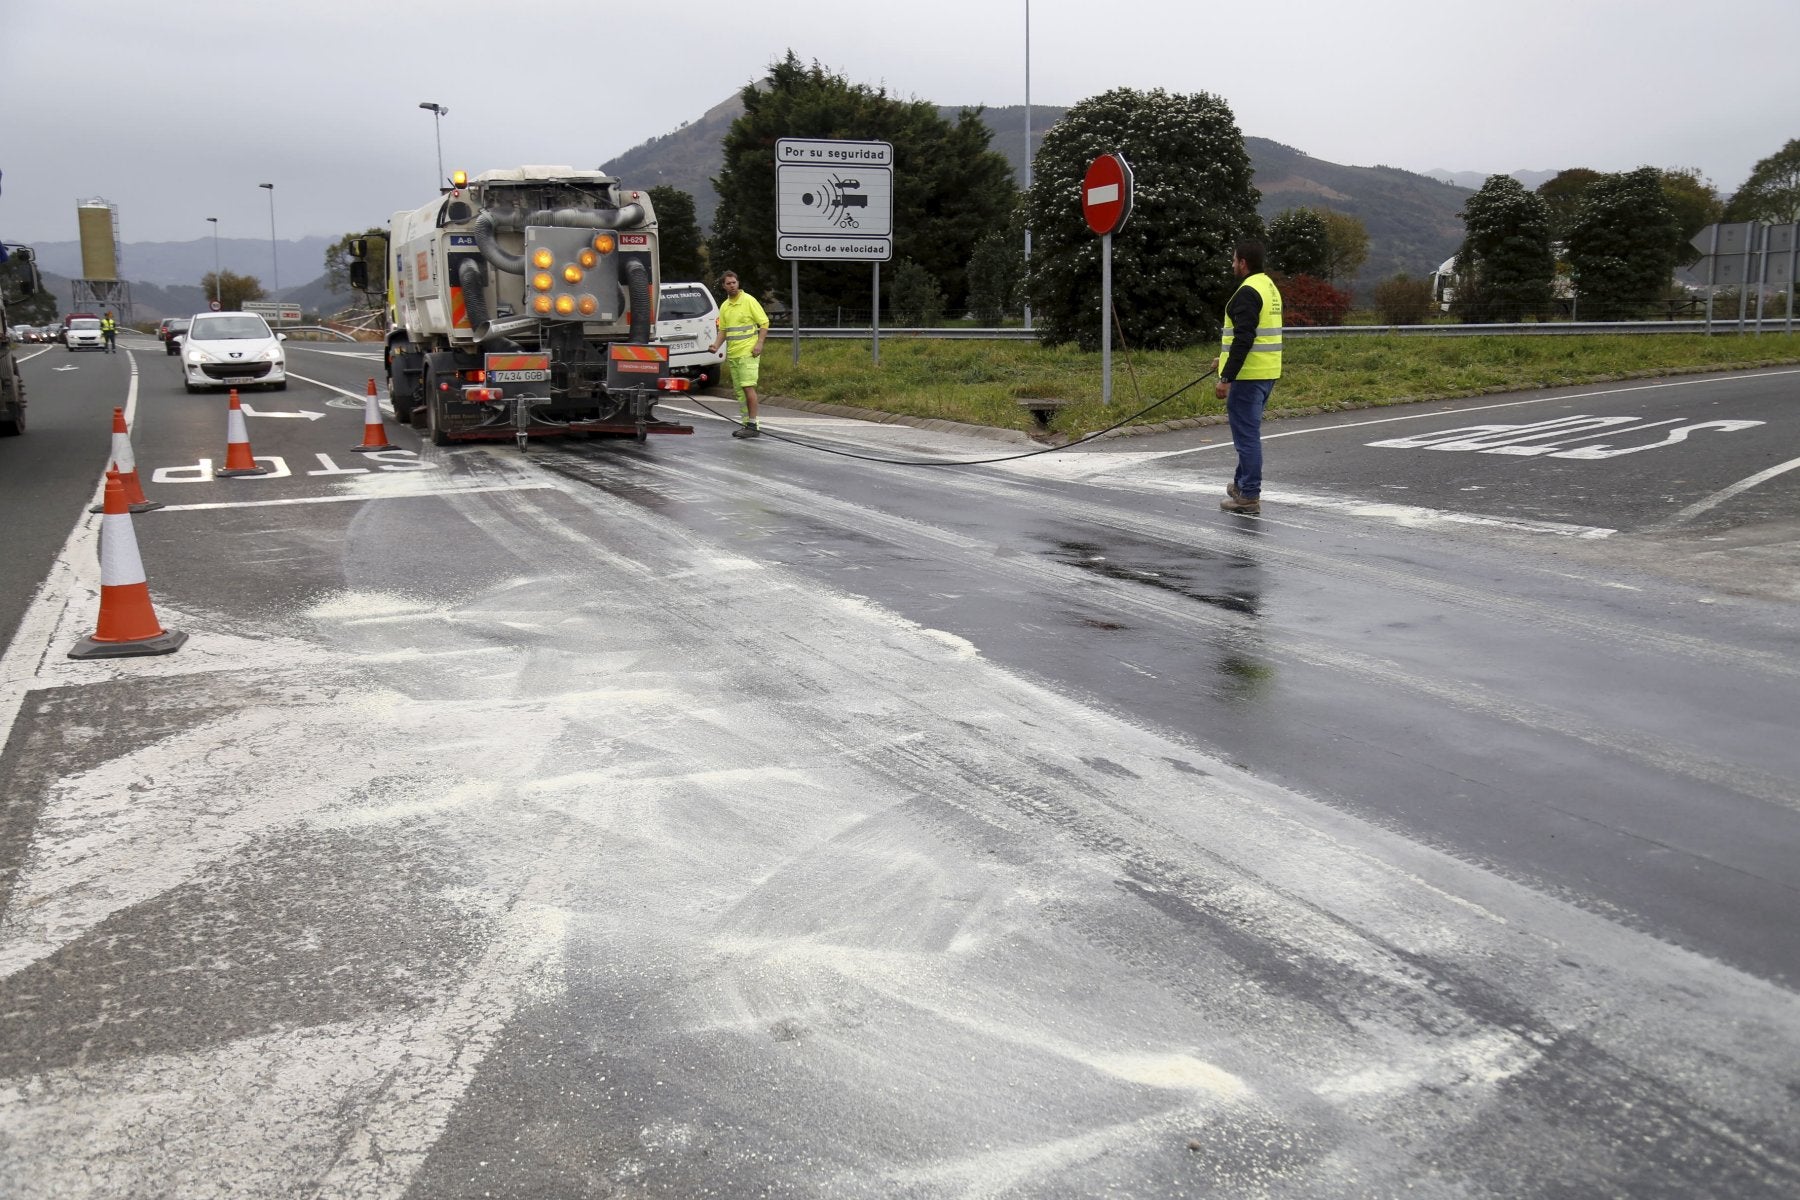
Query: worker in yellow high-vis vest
<point x="743" y="327"/>
<point x="109" y="329"/>
<point x="1248" y="365"/>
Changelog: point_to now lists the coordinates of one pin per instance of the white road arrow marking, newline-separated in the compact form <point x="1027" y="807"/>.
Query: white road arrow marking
<point x="70" y="367"/>
<point x="303" y="414"/>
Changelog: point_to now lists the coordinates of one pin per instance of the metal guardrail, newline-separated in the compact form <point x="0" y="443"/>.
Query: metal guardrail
<point x="1526" y="329"/>
<point x="336" y="333"/>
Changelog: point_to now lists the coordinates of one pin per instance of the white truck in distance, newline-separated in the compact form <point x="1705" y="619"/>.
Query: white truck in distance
<point x="521" y="303"/>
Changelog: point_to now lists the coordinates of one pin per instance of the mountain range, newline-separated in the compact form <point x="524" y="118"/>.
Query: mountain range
<point x="1412" y="218"/>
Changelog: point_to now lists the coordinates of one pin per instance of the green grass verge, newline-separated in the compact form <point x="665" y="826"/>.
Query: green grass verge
<point x="980" y="383"/>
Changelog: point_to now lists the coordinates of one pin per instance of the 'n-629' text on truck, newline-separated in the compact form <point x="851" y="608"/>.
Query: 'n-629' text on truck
<point x="521" y="303"/>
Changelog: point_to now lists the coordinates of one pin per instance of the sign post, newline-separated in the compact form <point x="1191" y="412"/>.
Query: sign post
<point x="834" y="202"/>
<point x="1106" y="204"/>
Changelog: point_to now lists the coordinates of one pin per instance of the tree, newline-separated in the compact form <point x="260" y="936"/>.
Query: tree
<point x="1622" y="245"/>
<point x="1172" y="261"/>
<point x="950" y="189"/>
<point x="914" y="298"/>
<point x="1696" y="205"/>
<point x="1346" y="245"/>
<point x="997" y="276"/>
<point x="1504" y="266"/>
<point x="233" y="290"/>
<point x="678" y="234"/>
<point x="337" y="261"/>
<point x="1772" y="193"/>
<point x="1297" y="242"/>
<point x="1562" y="194"/>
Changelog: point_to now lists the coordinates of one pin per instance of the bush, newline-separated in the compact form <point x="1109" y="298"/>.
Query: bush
<point x="1309" y="301"/>
<point x="914" y="299"/>
<point x="1404" y="301"/>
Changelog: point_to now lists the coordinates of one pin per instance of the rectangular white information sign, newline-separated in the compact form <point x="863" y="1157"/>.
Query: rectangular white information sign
<point x="834" y="200"/>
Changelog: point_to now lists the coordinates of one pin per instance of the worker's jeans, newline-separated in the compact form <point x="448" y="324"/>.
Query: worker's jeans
<point x="1244" y="408"/>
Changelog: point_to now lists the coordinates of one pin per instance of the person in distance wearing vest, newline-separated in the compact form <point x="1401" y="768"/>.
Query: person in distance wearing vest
<point x="743" y="327"/>
<point x="1248" y="365"/>
<point x="109" y="328"/>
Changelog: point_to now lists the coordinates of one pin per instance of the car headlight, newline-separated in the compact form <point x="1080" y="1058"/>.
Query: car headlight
<point x="273" y="354"/>
<point x="196" y="357"/>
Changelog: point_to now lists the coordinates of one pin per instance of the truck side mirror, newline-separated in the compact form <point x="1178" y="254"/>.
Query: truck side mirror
<point x="359" y="248"/>
<point x="359" y="275"/>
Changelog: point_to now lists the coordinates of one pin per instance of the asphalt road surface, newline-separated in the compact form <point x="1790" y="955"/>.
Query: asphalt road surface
<point x="722" y="818"/>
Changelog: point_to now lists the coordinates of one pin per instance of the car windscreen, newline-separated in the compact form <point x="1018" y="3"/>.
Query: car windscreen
<point x="84" y="323"/>
<point x="236" y="327"/>
<point x="678" y="304"/>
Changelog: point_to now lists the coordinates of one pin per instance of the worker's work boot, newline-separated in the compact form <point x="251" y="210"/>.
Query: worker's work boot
<point x="1248" y="505"/>
<point x="1231" y="489"/>
<point x="746" y="431"/>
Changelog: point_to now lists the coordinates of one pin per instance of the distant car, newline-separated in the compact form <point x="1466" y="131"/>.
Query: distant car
<point x="33" y="333"/>
<point x="162" y="330"/>
<point x="173" y="328"/>
<point x="232" y="349"/>
<point x="687" y="322"/>
<point x="84" y="334"/>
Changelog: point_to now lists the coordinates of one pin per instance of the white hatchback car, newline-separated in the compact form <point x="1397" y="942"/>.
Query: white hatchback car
<point x="84" y="334"/>
<point x="232" y="349"/>
<point x="687" y="321"/>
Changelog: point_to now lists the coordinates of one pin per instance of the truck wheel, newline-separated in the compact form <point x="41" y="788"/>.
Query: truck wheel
<point x="403" y="402"/>
<point x="435" y="417"/>
<point x="12" y="421"/>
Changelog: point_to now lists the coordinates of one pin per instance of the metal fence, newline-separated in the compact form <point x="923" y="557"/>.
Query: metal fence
<point x="1527" y="329"/>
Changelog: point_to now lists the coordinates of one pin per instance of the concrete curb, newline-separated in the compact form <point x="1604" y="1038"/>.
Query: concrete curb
<point x="1019" y="437"/>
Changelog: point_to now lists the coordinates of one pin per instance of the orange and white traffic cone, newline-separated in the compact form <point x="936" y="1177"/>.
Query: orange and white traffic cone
<point x="128" y="626"/>
<point x="126" y="465"/>
<point x="238" y="458"/>
<point x="374" y="433"/>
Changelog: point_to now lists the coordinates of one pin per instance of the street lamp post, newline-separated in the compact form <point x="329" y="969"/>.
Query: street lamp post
<point x="438" y="113"/>
<point x="274" y="259"/>
<point x="218" y="288"/>
<point x="1028" y="153"/>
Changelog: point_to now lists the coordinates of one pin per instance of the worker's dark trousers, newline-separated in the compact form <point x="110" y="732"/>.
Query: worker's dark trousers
<point x="1244" y="405"/>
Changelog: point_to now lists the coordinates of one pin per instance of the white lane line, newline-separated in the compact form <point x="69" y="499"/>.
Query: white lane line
<point x="369" y="355"/>
<point x="359" y="397"/>
<point x="1719" y="497"/>
<point x="1645" y="387"/>
<point x="75" y="564"/>
<point x="466" y="491"/>
<point x="33" y="355"/>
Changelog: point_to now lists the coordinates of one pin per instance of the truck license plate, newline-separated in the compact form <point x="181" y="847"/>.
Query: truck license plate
<point x="518" y="376"/>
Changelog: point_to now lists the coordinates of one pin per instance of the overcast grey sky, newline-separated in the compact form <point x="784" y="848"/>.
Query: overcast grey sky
<point x="176" y="111"/>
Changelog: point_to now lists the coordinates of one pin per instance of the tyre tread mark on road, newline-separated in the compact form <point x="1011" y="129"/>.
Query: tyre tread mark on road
<point x="1398" y="987"/>
<point x="1059" y="579"/>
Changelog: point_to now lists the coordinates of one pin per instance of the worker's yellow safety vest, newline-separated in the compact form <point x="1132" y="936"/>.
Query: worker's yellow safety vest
<point x="107" y="324"/>
<point x="1264" y="361"/>
<point x="739" y="320"/>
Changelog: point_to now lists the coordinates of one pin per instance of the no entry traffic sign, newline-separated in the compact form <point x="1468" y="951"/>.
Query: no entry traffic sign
<point x="1106" y="194"/>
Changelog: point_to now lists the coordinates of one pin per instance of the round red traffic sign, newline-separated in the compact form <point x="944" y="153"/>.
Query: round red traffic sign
<point x="1106" y="193"/>
<point x="213" y="304"/>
